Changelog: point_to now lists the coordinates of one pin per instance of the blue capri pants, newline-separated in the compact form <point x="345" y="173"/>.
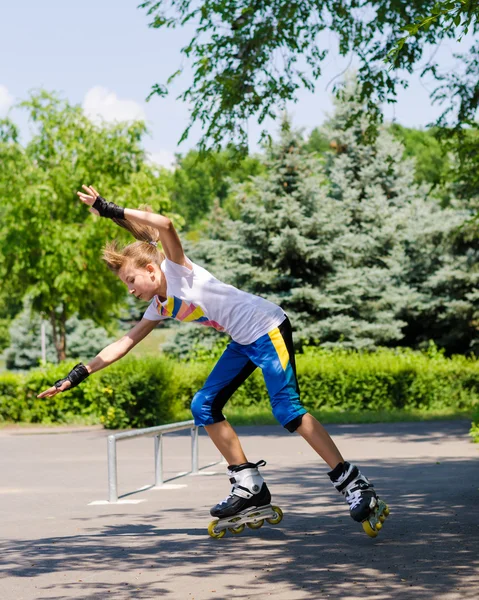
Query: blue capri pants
<point x="273" y="353"/>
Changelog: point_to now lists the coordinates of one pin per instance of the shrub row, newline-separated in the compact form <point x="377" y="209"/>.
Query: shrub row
<point x="150" y="391"/>
<point x="475" y="425"/>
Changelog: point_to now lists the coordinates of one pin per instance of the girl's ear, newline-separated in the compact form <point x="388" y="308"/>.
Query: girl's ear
<point x="150" y="268"/>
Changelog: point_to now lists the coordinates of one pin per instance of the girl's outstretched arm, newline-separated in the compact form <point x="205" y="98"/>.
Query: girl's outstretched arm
<point x="106" y="357"/>
<point x="168" y="236"/>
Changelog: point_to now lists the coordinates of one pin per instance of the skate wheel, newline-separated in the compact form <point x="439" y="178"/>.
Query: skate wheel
<point x="379" y="526"/>
<point x="386" y="511"/>
<point x="278" y="518"/>
<point x="256" y="525"/>
<point x="236" y="530"/>
<point x="382" y="518"/>
<point x="213" y="533"/>
<point x="369" y="530"/>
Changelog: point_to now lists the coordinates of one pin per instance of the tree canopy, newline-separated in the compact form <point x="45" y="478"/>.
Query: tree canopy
<point x="50" y="246"/>
<point x="249" y="57"/>
<point x="356" y="252"/>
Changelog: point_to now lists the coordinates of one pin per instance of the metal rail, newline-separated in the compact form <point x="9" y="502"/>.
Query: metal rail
<point x="157" y="433"/>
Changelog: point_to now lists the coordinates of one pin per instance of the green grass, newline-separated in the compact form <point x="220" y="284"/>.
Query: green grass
<point x="262" y="416"/>
<point x="153" y="342"/>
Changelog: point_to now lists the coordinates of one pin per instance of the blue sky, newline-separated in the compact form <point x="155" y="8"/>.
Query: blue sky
<point x="102" y="55"/>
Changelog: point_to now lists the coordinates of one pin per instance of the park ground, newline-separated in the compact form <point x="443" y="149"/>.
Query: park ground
<point x="59" y="543"/>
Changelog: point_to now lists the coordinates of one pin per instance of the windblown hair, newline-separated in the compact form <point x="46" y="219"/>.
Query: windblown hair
<point x="140" y="253"/>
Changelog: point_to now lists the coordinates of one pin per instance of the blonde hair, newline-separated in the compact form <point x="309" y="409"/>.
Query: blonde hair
<point x="141" y="253"/>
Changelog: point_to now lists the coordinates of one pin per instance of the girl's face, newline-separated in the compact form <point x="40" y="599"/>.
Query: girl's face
<point x="143" y="283"/>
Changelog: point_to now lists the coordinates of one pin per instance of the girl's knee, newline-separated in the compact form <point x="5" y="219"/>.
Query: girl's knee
<point x="288" y="416"/>
<point x="198" y="406"/>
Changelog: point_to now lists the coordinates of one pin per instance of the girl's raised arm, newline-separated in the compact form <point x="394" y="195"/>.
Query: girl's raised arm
<point x="168" y="236"/>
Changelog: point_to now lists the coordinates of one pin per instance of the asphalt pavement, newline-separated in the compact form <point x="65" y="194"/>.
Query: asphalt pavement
<point x="59" y="541"/>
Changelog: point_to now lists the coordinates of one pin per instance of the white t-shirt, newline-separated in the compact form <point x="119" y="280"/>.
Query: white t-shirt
<point x="194" y="295"/>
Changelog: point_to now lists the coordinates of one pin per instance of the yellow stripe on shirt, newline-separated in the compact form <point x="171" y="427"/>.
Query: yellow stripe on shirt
<point x="196" y="314"/>
<point x="280" y="346"/>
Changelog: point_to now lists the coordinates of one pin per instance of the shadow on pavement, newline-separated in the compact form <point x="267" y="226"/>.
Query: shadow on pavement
<point x="429" y="546"/>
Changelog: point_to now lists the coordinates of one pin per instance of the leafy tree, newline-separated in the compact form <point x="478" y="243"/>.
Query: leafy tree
<point x="50" y="246"/>
<point x="317" y="142"/>
<point x="249" y="57"/>
<point x="201" y="179"/>
<point x="431" y="159"/>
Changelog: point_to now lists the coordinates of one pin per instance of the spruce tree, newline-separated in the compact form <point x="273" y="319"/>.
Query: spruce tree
<point x="350" y="246"/>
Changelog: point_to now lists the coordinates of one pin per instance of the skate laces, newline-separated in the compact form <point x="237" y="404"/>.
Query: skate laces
<point x="353" y="497"/>
<point x="355" y="489"/>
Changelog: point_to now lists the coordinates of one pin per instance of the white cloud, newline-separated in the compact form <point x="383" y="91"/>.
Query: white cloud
<point x="6" y="100"/>
<point x="164" y="158"/>
<point x="102" y="104"/>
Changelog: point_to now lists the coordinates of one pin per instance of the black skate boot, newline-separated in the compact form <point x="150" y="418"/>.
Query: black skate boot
<point x="249" y="489"/>
<point x="248" y="503"/>
<point x="364" y="505"/>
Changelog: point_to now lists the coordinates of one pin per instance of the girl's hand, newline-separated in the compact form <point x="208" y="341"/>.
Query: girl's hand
<point x="89" y="197"/>
<point x="53" y="391"/>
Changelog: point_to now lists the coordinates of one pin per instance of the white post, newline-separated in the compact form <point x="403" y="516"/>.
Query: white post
<point x="112" y="470"/>
<point x="194" y="449"/>
<point x="158" y="460"/>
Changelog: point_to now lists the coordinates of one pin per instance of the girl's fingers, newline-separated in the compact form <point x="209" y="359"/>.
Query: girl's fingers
<point x="96" y="194"/>
<point x="48" y="393"/>
<point x="86" y="199"/>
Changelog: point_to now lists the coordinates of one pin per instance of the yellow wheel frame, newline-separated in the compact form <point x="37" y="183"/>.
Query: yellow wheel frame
<point x="278" y="518"/>
<point x="215" y="534"/>
<point x="256" y="525"/>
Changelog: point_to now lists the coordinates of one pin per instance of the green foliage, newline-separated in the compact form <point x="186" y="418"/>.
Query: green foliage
<point x="475" y="425"/>
<point x="317" y="142"/>
<point x="250" y="58"/>
<point x="201" y="179"/>
<point x="152" y="391"/>
<point x="61" y="408"/>
<point x="450" y="14"/>
<point x="134" y="393"/>
<point x="4" y="334"/>
<point x="350" y="246"/>
<point x="50" y="246"/>
<point x="12" y="404"/>
<point x="386" y="380"/>
<point x="431" y="160"/>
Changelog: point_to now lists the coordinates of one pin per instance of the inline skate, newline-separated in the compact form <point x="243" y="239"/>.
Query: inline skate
<point x="249" y="502"/>
<point x="364" y="504"/>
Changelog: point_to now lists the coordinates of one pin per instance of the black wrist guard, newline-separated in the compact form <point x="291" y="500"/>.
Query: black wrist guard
<point x="108" y="209"/>
<point x="75" y="376"/>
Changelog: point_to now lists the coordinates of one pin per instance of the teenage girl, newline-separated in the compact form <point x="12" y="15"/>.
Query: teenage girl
<point x="261" y="337"/>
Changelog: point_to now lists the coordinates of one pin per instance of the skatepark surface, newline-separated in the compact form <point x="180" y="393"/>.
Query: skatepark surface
<point x="57" y="541"/>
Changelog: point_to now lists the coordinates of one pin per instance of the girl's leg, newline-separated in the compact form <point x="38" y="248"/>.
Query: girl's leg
<point x="249" y="489"/>
<point x="274" y="354"/>
<point x="230" y="371"/>
<point x="319" y="439"/>
<point x="224" y="437"/>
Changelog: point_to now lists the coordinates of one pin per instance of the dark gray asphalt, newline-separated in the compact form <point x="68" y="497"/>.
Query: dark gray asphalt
<point x="55" y="545"/>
